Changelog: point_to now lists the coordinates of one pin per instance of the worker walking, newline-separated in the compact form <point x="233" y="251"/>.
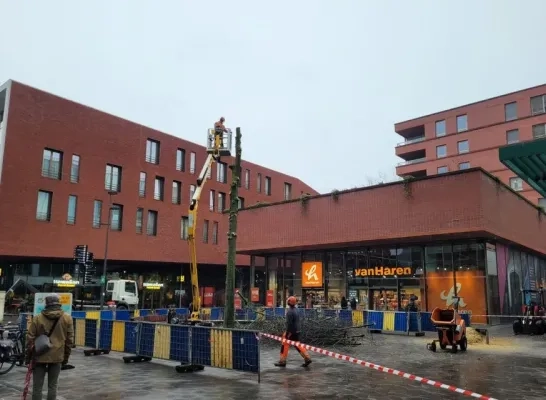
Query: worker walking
<point x="219" y="129"/>
<point x="292" y="332"/>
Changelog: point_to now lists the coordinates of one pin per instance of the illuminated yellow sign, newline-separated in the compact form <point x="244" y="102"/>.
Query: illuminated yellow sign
<point x="65" y="283"/>
<point x="383" y="271"/>
<point x="181" y="278"/>
<point x="152" y="286"/>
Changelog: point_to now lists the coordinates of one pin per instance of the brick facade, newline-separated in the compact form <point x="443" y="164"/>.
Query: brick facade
<point x="469" y="203"/>
<point x="37" y="120"/>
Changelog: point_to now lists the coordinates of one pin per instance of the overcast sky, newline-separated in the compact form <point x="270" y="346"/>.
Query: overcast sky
<point x="315" y="85"/>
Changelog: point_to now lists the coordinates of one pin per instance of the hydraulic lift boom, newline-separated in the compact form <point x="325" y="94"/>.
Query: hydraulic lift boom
<point x="218" y="144"/>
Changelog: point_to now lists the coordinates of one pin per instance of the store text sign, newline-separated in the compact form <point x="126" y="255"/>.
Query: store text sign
<point x="311" y="274"/>
<point x="383" y="271"/>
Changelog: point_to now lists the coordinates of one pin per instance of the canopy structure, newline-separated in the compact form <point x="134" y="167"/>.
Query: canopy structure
<point x="528" y="161"/>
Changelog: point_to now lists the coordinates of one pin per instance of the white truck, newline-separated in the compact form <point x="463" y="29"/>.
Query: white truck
<point x="122" y="293"/>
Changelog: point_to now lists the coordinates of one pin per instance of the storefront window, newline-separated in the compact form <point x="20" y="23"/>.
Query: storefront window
<point x="411" y="291"/>
<point x="336" y="278"/>
<point x="470" y="280"/>
<point x="493" y="299"/>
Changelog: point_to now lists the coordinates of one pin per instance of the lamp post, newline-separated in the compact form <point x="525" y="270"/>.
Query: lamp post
<point x="104" y="267"/>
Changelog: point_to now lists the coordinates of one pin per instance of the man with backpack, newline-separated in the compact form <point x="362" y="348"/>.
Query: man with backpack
<point x="49" y="340"/>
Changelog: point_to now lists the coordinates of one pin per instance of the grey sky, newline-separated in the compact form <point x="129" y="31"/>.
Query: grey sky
<point x="315" y="85"/>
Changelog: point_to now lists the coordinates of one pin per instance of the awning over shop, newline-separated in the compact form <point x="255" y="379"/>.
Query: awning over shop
<point x="528" y="161"/>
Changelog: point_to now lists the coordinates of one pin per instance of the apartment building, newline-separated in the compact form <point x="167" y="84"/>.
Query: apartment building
<point x="470" y="136"/>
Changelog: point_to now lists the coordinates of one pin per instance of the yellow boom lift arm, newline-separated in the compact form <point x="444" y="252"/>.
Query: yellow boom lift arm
<point x="218" y="144"/>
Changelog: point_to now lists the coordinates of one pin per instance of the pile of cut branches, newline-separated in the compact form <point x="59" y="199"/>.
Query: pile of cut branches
<point x="318" y="331"/>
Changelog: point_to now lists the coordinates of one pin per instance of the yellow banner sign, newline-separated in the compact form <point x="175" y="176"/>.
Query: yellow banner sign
<point x="383" y="271"/>
<point x="152" y="286"/>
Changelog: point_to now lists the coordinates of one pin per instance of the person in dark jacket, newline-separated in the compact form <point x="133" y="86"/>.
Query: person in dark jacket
<point x="344" y="303"/>
<point x="353" y="304"/>
<point x="292" y="332"/>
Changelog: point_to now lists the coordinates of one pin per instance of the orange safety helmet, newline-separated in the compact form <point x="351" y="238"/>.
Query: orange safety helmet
<point x="291" y="301"/>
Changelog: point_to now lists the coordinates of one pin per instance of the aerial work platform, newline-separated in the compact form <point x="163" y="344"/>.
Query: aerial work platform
<point x="219" y="143"/>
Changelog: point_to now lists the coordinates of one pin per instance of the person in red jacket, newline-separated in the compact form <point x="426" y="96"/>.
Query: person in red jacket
<point x="293" y="329"/>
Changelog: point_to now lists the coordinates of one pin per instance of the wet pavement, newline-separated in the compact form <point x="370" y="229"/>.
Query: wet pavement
<point x="509" y="368"/>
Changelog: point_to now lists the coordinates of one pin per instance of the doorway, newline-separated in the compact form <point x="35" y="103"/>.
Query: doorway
<point x="384" y="299"/>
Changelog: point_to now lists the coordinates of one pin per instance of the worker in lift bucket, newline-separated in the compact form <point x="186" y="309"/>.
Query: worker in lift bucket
<point x="293" y="329"/>
<point x="219" y="129"/>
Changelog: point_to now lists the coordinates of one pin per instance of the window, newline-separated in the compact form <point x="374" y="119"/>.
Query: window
<point x="462" y="146"/>
<point x="52" y="163"/>
<point x="112" y="179"/>
<point x="43" y="206"/>
<point x="116" y="217"/>
<point x="206" y="231"/>
<point x="542" y="203"/>
<point x="75" y="169"/>
<point x="139" y="220"/>
<point x="215" y="232"/>
<point x="538" y="104"/>
<point x="97" y="212"/>
<point x="184" y="226"/>
<point x="516" y="184"/>
<point x="462" y="123"/>
<point x="464" y="165"/>
<point x="241" y="202"/>
<point x="268" y="186"/>
<point x="259" y="183"/>
<point x="441" y="151"/>
<point x="440" y="128"/>
<point x="212" y="198"/>
<point x="177" y="192"/>
<point x="442" y="170"/>
<point x="221" y="172"/>
<point x="151" y="224"/>
<point x="539" y="131"/>
<point x="192" y="163"/>
<point x="287" y="191"/>
<point x="152" y="151"/>
<point x="209" y="172"/>
<point x="511" y="111"/>
<point x="180" y="159"/>
<point x="221" y="201"/>
<point x="159" y="188"/>
<point x="512" y="136"/>
<point x="192" y="191"/>
<point x="72" y="204"/>
<point x="142" y="185"/>
<point x="247" y="179"/>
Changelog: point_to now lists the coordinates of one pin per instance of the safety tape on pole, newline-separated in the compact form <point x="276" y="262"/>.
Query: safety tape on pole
<point x="380" y="368"/>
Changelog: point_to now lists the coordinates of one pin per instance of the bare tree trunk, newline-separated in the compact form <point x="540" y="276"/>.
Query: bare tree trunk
<point x="229" y="310"/>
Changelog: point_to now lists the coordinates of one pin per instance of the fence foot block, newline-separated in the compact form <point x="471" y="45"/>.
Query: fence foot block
<point x="96" y="352"/>
<point x="136" y="359"/>
<point x="189" y="368"/>
<point x="376" y="331"/>
<point x="419" y="334"/>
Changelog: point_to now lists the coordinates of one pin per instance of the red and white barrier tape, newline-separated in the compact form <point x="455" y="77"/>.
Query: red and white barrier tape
<point x="380" y="368"/>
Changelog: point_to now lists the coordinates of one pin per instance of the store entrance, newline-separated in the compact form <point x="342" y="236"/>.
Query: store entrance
<point x="383" y="299"/>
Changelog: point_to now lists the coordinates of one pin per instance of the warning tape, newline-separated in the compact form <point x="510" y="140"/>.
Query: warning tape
<point x="380" y="368"/>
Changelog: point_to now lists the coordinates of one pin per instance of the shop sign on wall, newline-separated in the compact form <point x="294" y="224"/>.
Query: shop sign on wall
<point x="311" y="274"/>
<point x="255" y="294"/>
<point x="65" y="281"/>
<point x="389" y="272"/>
<point x="152" y="286"/>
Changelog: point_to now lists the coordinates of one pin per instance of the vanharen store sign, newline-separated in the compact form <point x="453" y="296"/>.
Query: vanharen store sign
<point x="383" y="271"/>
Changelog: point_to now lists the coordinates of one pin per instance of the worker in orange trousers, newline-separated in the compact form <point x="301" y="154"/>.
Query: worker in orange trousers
<point x="293" y="329"/>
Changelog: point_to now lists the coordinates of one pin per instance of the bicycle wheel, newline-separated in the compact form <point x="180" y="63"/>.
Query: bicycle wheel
<point x="7" y="366"/>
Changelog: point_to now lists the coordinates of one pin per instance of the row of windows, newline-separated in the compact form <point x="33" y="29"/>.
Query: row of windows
<point x="538" y="106"/>
<point x="52" y="163"/>
<point x="539" y="132"/>
<point x="45" y="203"/>
<point x="444" y="169"/>
<point x="515" y="183"/>
<point x="462" y="147"/>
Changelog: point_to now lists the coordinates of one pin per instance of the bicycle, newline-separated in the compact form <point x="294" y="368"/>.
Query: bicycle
<point x="12" y="348"/>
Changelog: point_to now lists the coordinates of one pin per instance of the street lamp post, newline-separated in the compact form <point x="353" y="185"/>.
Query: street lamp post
<point x="104" y="267"/>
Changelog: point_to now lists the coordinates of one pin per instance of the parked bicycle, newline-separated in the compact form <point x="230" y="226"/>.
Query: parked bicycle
<point x="12" y="348"/>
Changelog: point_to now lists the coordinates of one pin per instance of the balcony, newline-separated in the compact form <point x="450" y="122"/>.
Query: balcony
<point x="411" y="141"/>
<point x="411" y="162"/>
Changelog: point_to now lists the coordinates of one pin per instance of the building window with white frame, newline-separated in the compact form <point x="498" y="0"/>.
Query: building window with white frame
<point x="462" y="123"/>
<point x="43" y="205"/>
<point x="75" y="169"/>
<point x="112" y="178"/>
<point x="184" y="227"/>
<point x="52" y="164"/>
<point x="72" y="205"/>
<point x="151" y="223"/>
<point x="152" y="151"/>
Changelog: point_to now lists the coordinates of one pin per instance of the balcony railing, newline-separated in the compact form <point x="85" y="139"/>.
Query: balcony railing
<point x="41" y="216"/>
<point x="411" y="141"/>
<point x="410" y="162"/>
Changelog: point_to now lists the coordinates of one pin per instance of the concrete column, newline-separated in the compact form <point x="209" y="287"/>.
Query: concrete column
<point x="252" y="271"/>
<point x="271" y="264"/>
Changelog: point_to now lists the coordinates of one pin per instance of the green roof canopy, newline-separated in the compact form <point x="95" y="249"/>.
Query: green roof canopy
<point x="528" y="161"/>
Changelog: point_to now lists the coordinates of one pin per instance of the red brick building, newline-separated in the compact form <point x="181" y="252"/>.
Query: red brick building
<point x="470" y="136"/>
<point x="58" y="161"/>
<point x="422" y="237"/>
